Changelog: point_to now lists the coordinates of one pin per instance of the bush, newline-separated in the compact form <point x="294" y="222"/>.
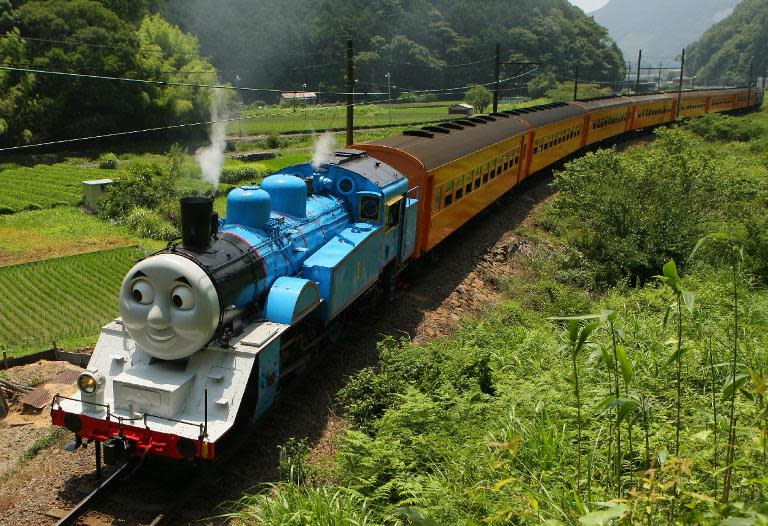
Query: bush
<point x="146" y="223"/>
<point x="242" y="173"/>
<point x="108" y="161"/>
<point x="144" y="186"/>
<point x="274" y="141"/>
<point x="715" y="126"/>
<point x="630" y="214"/>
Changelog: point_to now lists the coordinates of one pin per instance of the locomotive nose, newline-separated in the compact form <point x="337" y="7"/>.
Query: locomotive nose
<point x="169" y="306"/>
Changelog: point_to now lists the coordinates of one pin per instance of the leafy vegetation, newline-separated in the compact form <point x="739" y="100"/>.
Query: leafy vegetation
<point x="124" y="42"/>
<point x="60" y="299"/>
<point x="479" y="97"/>
<point x="648" y="409"/>
<point x="726" y="50"/>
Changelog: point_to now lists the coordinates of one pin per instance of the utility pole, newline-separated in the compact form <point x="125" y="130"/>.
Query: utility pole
<point x="239" y="106"/>
<point x="304" y="96"/>
<point x="497" y="77"/>
<point x="389" y="95"/>
<point x="639" y="61"/>
<point x="680" y="87"/>
<point x="576" y="84"/>
<point x="765" y="74"/>
<point x="658" y="84"/>
<point x="749" y="83"/>
<point x="350" y="94"/>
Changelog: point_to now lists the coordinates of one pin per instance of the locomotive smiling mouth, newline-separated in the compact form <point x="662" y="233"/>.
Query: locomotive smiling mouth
<point x="161" y="336"/>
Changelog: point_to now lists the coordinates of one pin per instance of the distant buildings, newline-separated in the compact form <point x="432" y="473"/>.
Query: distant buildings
<point x="461" y="109"/>
<point x="298" y="97"/>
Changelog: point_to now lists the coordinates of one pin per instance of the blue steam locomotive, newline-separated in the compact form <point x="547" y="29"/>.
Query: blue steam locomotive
<point x="210" y="326"/>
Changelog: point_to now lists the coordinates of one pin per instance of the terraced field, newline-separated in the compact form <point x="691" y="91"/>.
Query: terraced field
<point x="63" y="299"/>
<point x="43" y="186"/>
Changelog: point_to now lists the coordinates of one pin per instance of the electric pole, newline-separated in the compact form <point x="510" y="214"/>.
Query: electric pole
<point x="658" y="84"/>
<point x="350" y="93"/>
<point x="576" y="84"/>
<point x="639" y="60"/>
<point x="497" y="75"/>
<point x="680" y="87"/>
<point x="389" y="95"/>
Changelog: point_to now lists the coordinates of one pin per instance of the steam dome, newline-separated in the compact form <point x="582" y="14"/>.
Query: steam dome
<point x="288" y="193"/>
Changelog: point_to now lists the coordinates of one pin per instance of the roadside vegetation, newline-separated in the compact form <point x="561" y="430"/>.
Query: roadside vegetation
<point x="622" y="381"/>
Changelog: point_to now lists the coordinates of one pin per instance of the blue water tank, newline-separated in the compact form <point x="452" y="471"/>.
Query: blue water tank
<point x="248" y="206"/>
<point x="288" y="193"/>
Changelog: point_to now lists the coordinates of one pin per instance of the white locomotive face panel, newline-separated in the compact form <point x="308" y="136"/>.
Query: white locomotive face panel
<point x="169" y="306"/>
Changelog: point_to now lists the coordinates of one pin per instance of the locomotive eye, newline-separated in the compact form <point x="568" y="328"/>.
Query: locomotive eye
<point x="183" y="298"/>
<point x="142" y="292"/>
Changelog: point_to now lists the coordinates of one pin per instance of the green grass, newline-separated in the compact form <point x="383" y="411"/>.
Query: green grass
<point x="42" y="234"/>
<point x="44" y="186"/>
<point x="65" y="299"/>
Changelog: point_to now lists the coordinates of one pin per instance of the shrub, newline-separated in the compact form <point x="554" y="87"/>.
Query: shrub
<point x="143" y="185"/>
<point x="274" y="141"/>
<point x="146" y="223"/>
<point x="108" y="161"/>
<point x="631" y="214"/>
<point x="715" y="126"/>
<point x="242" y="173"/>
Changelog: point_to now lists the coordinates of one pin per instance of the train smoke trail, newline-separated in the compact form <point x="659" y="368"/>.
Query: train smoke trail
<point x="322" y="149"/>
<point x="211" y="158"/>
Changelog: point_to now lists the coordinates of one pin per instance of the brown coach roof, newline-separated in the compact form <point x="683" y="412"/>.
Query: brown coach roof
<point x="443" y="148"/>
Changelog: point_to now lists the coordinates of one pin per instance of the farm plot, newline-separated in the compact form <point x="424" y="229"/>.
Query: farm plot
<point x="43" y="186"/>
<point x="65" y="299"/>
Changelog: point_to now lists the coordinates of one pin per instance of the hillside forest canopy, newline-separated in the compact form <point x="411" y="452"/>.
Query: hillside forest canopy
<point x="423" y="44"/>
<point x="726" y="51"/>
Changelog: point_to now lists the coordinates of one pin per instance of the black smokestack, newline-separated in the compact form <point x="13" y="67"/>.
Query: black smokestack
<point x="196" y="222"/>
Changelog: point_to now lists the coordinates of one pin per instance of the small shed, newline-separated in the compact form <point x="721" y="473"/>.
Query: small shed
<point x="93" y="191"/>
<point x="295" y="97"/>
<point x="461" y="109"/>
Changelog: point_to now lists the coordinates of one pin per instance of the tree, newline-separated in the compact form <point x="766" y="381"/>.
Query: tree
<point x="479" y="97"/>
<point x="540" y="85"/>
<point x="39" y="107"/>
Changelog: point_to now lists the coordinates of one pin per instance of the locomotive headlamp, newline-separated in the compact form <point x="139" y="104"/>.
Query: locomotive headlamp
<point x="90" y="382"/>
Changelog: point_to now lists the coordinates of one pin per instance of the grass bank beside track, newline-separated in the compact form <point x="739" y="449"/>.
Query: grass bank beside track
<point x="484" y="427"/>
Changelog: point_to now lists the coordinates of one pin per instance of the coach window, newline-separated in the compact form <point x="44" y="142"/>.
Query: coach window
<point x="458" y="183"/>
<point x="448" y="193"/>
<point x="394" y="211"/>
<point x="468" y="182"/>
<point x="436" y="199"/>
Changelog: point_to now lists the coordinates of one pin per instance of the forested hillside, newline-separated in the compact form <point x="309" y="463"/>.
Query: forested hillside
<point x="659" y="27"/>
<point x="422" y="43"/>
<point x="114" y="38"/>
<point x="725" y="51"/>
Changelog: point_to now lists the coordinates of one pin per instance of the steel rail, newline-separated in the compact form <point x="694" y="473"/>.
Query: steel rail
<point x="84" y="504"/>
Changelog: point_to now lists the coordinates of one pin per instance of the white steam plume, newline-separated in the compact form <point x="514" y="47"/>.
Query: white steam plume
<point x="211" y="158"/>
<point x="322" y="149"/>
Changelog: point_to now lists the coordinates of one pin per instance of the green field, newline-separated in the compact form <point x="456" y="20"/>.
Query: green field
<point x="281" y="120"/>
<point x="43" y="186"/>
<point x="64" y="231"/>
<point x="65" y="299"/>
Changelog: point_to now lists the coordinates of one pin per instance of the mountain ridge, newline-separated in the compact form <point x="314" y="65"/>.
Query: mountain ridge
<point x="659" y="27"/>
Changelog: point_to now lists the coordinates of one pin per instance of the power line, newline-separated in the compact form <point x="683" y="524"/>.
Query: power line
<point x="99" y="46"/>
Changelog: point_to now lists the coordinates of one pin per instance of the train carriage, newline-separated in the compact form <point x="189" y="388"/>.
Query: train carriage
<point x="607" y="117"/>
